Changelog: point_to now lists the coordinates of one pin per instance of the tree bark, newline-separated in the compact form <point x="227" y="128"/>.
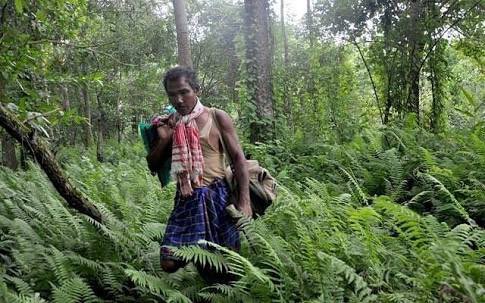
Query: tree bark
<point x="388" y="65"/>
<point x="119" y="106"/>
<point x="232" y="71"/>
<point x="309" y="20"/>
<point x="258" y="56"/>
<point x="100" y="131"/>
<point x="415" y="37"/>
<point x="310" y="77"/>
<point x="65" y="134"/>
<point x="437" y="89"/>
<point x="183" y="44"/>
<point x="9" y="157"/>
<point x="437" y="75"/>
<point x="85" y="105"/>
<point x="286" y="62"/>
<point x="36" y="145"/>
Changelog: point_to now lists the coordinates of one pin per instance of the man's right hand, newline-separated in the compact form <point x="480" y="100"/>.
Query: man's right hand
<point x="163" y="120"/>
<point x="164" y="125"/>
<point x="164" y="132"/>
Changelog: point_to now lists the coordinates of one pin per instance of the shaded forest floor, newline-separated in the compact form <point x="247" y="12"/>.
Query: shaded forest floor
<point x="395" y="215"/>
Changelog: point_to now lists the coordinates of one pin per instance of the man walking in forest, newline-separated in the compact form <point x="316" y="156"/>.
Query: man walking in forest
<point x="193" y="140"/>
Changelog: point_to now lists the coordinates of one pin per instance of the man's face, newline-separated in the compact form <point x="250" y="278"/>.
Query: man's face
<point x="181" y="95"/>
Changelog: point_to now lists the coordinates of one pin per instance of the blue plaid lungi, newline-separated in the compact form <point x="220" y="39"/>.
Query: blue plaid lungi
<point x="202" y="216"/>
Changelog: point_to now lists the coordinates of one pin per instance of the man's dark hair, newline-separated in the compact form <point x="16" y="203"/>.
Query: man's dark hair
<point x="176" y="73"/>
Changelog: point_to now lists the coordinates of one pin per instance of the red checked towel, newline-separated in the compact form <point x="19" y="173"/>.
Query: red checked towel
<point x="187" y="159"/>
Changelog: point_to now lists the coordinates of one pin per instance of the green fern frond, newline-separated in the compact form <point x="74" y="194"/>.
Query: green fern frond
<point x="361" y="196"/>
<point x="360" y="287"/>
<point x="440" y="188"/>
<point x="228" y="291"/>
<point x="23" y="229"/>
<point x="14" y="298"/>
<point x="149" y="282"/>
<point x="177" y="297"/>
<point x="407" y="223"/>
<point x="152" y="231"/>
<point x="417" y="198"/>
<point x="201" y="256"/>
<point x="23" y="288"/>
<point x="56" y="260"/>
<point x="239" y="265"/>
<point x="74" y="290"/>
<point x="80" y="260"/>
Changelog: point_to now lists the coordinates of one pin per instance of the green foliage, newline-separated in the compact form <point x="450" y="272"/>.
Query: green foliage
<point x="406" y="42"/>
<point x="343" y="239"/>
<point x="390" y="213"/>
<point x="439" y="175"/>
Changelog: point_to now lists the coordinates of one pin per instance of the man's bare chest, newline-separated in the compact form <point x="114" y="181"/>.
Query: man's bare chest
<point x="214" y="134"/>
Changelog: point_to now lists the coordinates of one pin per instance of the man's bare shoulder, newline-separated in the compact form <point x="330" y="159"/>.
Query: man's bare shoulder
<point x="223" y="118"/>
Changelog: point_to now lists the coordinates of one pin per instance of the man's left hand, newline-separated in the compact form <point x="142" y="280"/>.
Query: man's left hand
<point x="245" y="208"/>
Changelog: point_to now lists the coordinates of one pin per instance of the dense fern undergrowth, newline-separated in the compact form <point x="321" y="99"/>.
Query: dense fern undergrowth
<point x="395" y="215"/>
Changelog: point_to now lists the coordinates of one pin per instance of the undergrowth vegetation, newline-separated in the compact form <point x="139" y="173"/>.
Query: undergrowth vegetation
<point x="393" y="216"/>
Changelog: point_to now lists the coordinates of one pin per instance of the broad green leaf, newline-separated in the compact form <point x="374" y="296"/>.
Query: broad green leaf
<point x="464" y="112"/>
<point x="19" y="6"/>
<point x="469" y="97"/>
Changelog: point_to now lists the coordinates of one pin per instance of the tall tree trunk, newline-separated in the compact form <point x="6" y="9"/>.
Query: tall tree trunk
<point x="134" y="123"/>
<point x="183" y="44"/>
<point x="9" y="157"/>
<point x="258" y="55"/>
<point x="413" y="84"/>
<point x="286" y="62"/>
<point x="416" y="39"/>
<point x="388" y="65"/>
<point x="309" y="20"/>
<point x="119" y="107"/>
<point x="437" y="75"/>
<point x="310" y="77"/>
<point x="66" y="134"/>
<point x="100" y="133"/>
<point x="437" y="89"/>
<point x="232" y="71"/>
<point x="65" y="97"/>
<point x="85" y="106"/>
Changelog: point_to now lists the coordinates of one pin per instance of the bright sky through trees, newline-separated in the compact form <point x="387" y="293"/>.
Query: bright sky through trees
<point x="295" y="9"/>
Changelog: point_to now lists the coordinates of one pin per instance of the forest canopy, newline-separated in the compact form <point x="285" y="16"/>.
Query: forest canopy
<point x="369" y="113"/>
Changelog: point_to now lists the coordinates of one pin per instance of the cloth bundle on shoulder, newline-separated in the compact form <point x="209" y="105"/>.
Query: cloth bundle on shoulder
<point x="262" y="186"/>
<point x="149" y="134"/>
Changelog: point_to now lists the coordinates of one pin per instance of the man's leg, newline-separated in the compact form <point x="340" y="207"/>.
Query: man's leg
<point x="168" y="263"/>
<point x="171" y="266"/>
<point x="212" y="276"/>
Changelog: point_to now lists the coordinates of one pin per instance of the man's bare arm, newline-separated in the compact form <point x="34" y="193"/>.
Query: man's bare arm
<point x="236" y="154"/>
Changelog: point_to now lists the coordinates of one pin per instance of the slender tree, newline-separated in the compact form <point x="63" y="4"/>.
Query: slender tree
<point x="286" y="62"/>
<point x="183" y="44"/>
<point x="415" y="35"/>
<point x="86" y="110"/>
<point x="258" y="55"/>
<point x="309" y="21"/>
<point x="9" y="158"/>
